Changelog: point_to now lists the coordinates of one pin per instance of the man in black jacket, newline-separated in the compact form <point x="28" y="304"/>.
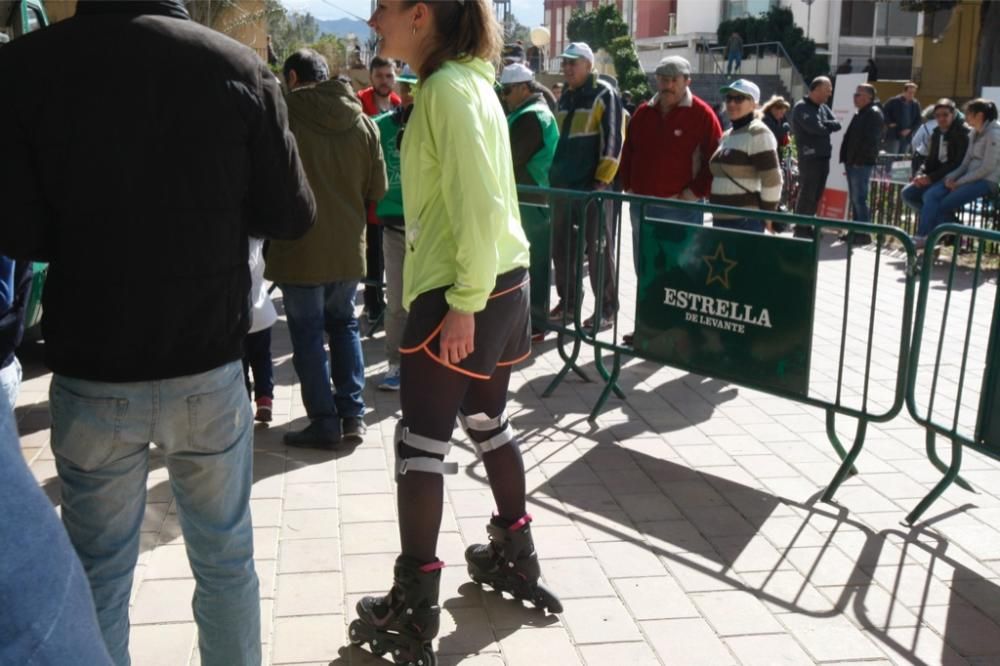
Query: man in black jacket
<point x="812" y="124"/>
<point x="140" y="189"/>
<point x="859" y="153"/>
<point x="902" y="118"/>
<point x="948" y="144"/>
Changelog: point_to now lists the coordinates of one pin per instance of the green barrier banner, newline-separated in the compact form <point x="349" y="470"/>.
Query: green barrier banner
<point x="535" y="222"/>
<point x="727" y="304"/>
<point x="988" y="430"/>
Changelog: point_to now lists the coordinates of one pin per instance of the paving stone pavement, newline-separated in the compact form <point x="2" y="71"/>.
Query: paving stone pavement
<point x="683" y="528"/>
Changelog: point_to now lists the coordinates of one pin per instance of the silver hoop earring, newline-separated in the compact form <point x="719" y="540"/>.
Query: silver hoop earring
<point x="414" y="31"/>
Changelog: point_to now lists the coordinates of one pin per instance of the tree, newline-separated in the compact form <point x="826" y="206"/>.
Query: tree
<point x="598" y="27"/>
<point x="290" y="32"/>
<point x="778" y="25"/>
<point x="604" y="28"/>
<point x="988" y="49"/>
<point x="514" y="30"/>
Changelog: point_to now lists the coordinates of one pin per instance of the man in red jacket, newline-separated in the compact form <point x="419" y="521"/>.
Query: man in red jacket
<point x="669" y="142"/>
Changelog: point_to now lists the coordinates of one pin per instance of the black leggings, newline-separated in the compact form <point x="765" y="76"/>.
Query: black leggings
<point x="431" y="396"/>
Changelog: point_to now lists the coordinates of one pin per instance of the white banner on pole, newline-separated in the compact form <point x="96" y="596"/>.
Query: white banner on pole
<point x="833" y="203"/>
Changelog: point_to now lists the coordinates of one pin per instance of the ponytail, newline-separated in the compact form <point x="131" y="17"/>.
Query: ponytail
<point x="463" y="29"/>
<point x="984" y="106"/>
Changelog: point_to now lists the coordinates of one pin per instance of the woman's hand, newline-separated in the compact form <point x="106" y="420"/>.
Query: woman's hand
<point x="458" y="332"/>
<point x="950" y="184"/>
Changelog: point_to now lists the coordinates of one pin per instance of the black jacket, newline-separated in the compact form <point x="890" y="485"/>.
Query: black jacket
<point x="812" y="125"/>
<point x="861" y="141"/>
<point x="779" y="128"/>
<point x="956" y="141"/>
<point x="901" y="115"/>
<point x="140" y="151"/>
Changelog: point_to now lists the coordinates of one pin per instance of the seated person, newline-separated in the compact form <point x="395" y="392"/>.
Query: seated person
<point x="977" y="176"/>
<point x="946" y="149"/>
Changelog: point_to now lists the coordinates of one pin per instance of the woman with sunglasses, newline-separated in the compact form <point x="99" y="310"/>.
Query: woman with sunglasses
<point x="745" y="168"/>
<point x="465" y="284"/>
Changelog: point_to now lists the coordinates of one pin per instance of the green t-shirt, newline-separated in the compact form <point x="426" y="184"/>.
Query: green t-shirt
<point x="389" y="124"/>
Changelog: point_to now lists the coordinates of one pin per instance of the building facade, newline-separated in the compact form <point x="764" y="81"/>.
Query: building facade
<point x="855" y="29"/>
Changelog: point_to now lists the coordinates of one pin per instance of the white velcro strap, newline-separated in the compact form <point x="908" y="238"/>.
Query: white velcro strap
<point x="435" y="446"/>
<point x="429" y="465"/>
<point x="502" y="438"/>
<point x="482" y="422"/>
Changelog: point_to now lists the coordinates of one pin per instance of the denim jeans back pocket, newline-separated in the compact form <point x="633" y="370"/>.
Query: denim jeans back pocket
<point x="85" y="429"/>
<point x="217" y="419"/>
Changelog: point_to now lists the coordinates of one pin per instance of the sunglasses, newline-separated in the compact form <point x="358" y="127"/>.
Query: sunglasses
<point x="736" y="99"/>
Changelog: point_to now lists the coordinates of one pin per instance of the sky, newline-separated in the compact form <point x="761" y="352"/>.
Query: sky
<point x="528" y="12"/>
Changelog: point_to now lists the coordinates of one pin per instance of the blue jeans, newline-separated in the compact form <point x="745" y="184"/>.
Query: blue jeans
<point x="47" y="612"/>
<point x="654" y="212"/>
<point x="733" y="62"/>
<point x="940" y="202"/>
<point x="311" y="311"/>
<point x="100" y="437"/>
<point x="913" y="196"/>
<point x="10" y="381"/>
<point x="858" y="180"/>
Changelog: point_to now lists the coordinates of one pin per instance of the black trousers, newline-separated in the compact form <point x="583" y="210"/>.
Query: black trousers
<point x="374" y="298"/>
<point x="567" y="220"/>
<point x="257" y="358"/>
<point x="812" y="181"/>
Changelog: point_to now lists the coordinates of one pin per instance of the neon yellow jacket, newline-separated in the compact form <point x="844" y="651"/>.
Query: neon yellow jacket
<point x="463" y="227"/>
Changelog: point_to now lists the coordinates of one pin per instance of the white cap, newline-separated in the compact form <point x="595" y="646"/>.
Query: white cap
<point x="743" y="87"/>
<point x="578" y="50"/>
<point x="516" y="73"/>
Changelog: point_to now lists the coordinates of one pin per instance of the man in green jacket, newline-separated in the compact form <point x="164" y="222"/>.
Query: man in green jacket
<point x="390" y="216"/>
<point x="319" y="273"/>
<point x="533" y="138"/>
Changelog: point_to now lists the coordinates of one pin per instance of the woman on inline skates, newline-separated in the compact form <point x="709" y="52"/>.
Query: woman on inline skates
<point x="465" y="284"/>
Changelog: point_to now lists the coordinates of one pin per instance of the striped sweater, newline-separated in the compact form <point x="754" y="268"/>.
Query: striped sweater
<point x="745" y="168"/>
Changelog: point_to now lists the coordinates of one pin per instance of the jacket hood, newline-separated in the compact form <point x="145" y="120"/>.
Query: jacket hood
<point x="172" y="8"/>
<point x="992" y="127"/>
<point x="330" y="106"/>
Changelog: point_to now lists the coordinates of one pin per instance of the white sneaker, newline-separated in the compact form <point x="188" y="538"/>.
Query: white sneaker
<point x="390" y="381"/>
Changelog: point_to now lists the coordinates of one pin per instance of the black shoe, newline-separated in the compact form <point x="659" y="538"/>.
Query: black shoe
<point x="628" y="339"/>
<point x="313" y="436"/>
<point x="353" y="428"/>
<point x="803" y="231"/>
<point x="860" y="239"/>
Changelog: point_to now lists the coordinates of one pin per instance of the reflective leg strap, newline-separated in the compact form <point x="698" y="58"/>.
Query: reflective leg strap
<point x="422" y="463"/>
<point x="483" y="423"/>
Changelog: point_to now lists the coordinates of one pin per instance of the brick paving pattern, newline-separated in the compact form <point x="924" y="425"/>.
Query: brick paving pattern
<point x="684" y="528"/>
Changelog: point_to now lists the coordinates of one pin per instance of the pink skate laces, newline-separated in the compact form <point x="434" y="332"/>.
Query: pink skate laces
<point x="525" y="519"/>
<point x="433" y="566"/>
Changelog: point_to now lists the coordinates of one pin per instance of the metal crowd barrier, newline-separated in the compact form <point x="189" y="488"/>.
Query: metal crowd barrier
<point x="893" y="173"/>
<point x="954" y="388"/>
<point x="690" y="316"/>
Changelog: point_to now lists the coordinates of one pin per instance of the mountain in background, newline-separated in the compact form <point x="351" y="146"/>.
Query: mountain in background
<point x="343" y="27"/>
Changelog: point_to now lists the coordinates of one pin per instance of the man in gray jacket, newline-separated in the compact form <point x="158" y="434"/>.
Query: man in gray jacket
<point x="812" y="124"/>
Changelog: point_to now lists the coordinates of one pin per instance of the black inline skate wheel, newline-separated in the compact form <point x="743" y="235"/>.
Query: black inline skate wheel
<point x="354" y="632"/>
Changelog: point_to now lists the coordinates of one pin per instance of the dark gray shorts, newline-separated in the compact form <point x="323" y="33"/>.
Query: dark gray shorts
<point x="503" y="328"/>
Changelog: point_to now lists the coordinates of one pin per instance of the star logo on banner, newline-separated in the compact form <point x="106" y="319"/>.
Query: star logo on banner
<point x="718" y="267"/>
